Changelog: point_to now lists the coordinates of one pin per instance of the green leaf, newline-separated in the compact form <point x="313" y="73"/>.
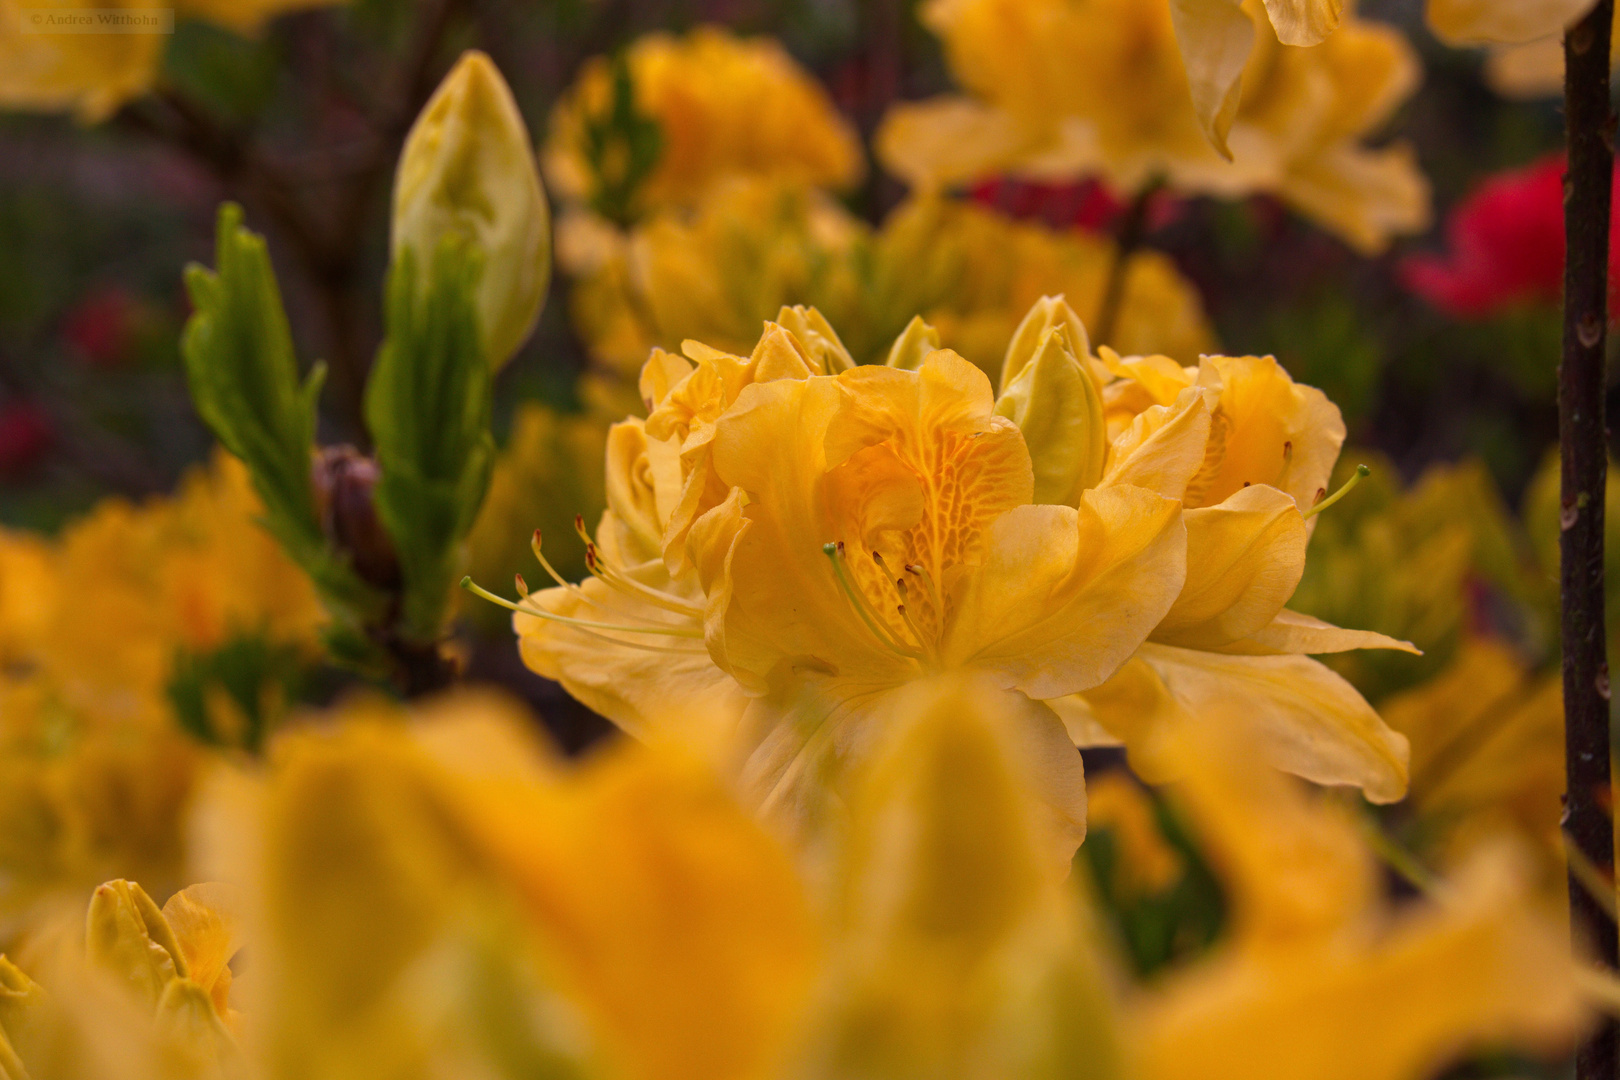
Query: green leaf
<point x="428" y="406"/>
<point x="257" y="680"/>
<point x="243" y="377"/>
<point x="623" y="147"/>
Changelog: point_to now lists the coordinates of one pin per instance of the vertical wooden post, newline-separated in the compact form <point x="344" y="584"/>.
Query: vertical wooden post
<point x="1584" y="445"/>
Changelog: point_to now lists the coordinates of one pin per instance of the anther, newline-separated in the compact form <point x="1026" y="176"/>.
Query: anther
<point x="522" y="587"/>
<point x="1362" y="472"/>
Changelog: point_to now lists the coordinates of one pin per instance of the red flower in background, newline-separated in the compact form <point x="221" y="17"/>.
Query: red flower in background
<point x="101" y="327"/>
<point x="1085" y="204"/>
<point x="1506" y="243"/>
<point x="25" y="436"/>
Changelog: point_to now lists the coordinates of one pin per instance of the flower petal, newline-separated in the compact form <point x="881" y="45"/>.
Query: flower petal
<point x="1216" y="37"/>
<point x="1065" y="595"/>
<point x="1244" y="559"/>
<point x="1293" y="632"/>
<point x="1311" y="722"/>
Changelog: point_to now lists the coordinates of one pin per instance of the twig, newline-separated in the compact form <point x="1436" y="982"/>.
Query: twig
<point x="1128" y="239"/>
<point x="1584" y="456"/>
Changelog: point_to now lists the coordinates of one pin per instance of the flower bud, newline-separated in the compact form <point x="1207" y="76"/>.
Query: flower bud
<point x="811" y="327"/>
<point x="345" y="483"/>
<point x="1046" y="313"/>
<point x="126" y="934"/>
<point x="1055" y="401"/>
<point x="913" y="345"/>
<point x="20" y="1001"/>
<point x="468" y="167"/>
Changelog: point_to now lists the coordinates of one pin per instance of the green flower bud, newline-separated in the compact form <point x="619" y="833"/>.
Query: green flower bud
<point x="1046" y="313"/>
<point x="1056" y="403"/>
<point x="468" y="167"/>
<point x="913" y="345"/>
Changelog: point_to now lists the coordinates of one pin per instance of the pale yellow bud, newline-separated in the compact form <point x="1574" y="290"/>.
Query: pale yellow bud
<point x="20" y="1003"/>
<point x="913" y="345"/>
<point x="126" y="934"/>
<point x="1043" y="315"/>
<point x="811" y="327"/>
<point x="468" y="168"/>
<point x="1055" y="401"/>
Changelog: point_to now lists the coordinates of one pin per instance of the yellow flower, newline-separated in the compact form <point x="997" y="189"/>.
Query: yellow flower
<point x="957" y="949"/>
<point x="1487" y="756"/>
<point x="1249" y="453"/>
<point x="95" y="773"/>
<point x="93" y="74"/>
<point x="1058" y="89"/>
<point x="655" y="680"/>
<point x="712" y="276"/>
<point x="715" y="275"/>
<point x="467" y="169"/>
<point x="819" y="538"/>
<point x="1146" y="864"/>
<point x="1320" y="980"/>
<point x="1216" y="38"/>
<point x="934" y="557"/>
<point x="1507" y="22"/>
<point x="724" y="107"/>
<point x="445" y="896"/>
<point x="432" y="894"/>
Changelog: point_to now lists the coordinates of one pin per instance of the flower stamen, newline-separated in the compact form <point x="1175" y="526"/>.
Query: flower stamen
<point x="919" y="570"/>
<point x="532" y="608"/>
<point x="1361" y="474"/>
<point x="834" y="550"/>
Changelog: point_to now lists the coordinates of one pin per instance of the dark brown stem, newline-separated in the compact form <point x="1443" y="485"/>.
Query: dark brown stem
<point x="1582" y="437"/>
<point x="1128" y="238"/>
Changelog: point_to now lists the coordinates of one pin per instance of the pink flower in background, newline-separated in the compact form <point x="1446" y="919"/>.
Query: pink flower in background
<point x="1506" y="247"/>
<point x="25" y="436"/>
<point x="101" y="327"/>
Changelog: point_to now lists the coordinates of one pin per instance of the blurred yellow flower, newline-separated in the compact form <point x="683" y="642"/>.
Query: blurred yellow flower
<point x="1487" y="756"/>
<point x="1061" y="90"/>
<point x="1505" y="22"/>
<point x="1146" y="864"/>
<point x="444" y="896"/>
<point x="1402" y="563"/>
<point x="715" y="275"/>
<point x="95" y="772"/>
<point x="93" y="74"/>
<point x="432" y="893"/>
<point x="723" y="106"/>
<point x="1249" y="452"/>
<point x="1320" y="979"/>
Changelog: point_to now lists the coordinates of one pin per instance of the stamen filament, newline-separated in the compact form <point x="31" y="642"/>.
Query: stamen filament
<point x="1361" y="474"/>
<point x="540" y="613"/>
<point x="835" y="552"/>
<point x="906" y="615"/>
<point x="534" y="546"/>
<point x="928" y="580"/>
<point x="617" y="579"/>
